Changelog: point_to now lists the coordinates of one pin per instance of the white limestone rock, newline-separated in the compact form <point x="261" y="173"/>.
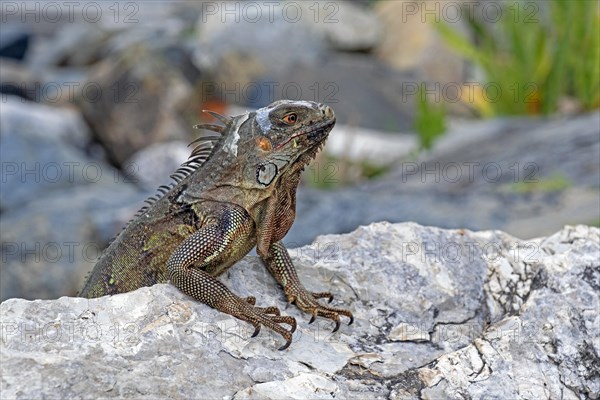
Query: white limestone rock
<point x="519" y="322"/>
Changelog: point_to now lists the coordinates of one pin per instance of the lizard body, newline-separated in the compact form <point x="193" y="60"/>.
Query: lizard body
<point x="236" y="192"/>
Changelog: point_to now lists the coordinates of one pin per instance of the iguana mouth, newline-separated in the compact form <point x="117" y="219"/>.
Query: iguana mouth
<point x="314" y="133"/>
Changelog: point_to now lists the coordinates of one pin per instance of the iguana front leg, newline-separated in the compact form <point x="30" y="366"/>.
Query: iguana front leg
<point x="208" y="245"/>
<point x="280" y="265"/>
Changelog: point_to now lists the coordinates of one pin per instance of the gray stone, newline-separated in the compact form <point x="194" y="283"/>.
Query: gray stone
<point x="361" y="145"/>
<point x="516" y="174"/>
<point x="153" y="165"/>
<point x="16" y="80"/>
<point x="60" y="206"/>
<point x="133" y="99"/>
<point x="51" y="242"/>
<point x="500" y="318"/>
<point x="77" y="43"/>
<point x="254" y="32"/>
<point x="239" y="48"/>
<point x="309" y="30"/>
<point x="412" y="43"/>
<point x="346" y="26"/>
<point x="42" y="150"/>
<point x="377" y="92"/>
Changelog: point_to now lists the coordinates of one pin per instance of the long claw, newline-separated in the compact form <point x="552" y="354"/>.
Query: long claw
<point x="337" y="325"/>
<point x="291" y="321"/>
<point x="286" y="345"/>
<point x="272" y="311"/>
<point x="308" y="302"/>
<point x="320" y="295"/>
<point x="256" y="330"/>
<point x="268" y="317"/>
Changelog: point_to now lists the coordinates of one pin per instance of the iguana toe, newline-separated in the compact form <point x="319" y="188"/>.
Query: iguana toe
<point x="320" y="295"/>
<point x="308" y="301"/>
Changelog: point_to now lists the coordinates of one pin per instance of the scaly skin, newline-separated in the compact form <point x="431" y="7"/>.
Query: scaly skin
<point x="242" y="196"/>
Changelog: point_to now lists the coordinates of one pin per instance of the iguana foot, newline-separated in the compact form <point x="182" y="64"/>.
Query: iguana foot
<point x="320" y="295"/>
<point x="267" y="310"/>
<point x="268" y="316"/>
<point x="307" y="301"/>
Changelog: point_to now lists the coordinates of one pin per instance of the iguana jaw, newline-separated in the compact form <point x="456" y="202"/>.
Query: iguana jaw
<point x="313" y="135"/>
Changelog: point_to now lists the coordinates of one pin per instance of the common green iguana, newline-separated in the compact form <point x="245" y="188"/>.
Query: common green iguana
<point x="236" y="191"/>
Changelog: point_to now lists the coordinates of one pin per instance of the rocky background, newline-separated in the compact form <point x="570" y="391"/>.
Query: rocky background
<point x="98" y="103"/>
<point x="96" y="109"/>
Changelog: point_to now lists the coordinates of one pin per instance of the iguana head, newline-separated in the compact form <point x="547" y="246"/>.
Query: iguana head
<point x="256" y="163"/>
<point x="259" y="150"/>
<point x="285" y="137"/>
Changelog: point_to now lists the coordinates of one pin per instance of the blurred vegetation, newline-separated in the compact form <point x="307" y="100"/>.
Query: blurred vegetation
<point x="373" y="171"/>
<point x="536" y="56"/>
<point x="430" y="119"/>
<point x="324" y="172"/>
<point x="554" y="183"/>
<point x="329" y="172"/>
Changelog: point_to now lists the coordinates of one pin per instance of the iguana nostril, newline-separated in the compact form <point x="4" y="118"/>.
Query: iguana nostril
<point x="327" y="111"/>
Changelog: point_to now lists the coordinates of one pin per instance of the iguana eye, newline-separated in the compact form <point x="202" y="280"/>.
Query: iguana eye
<point x="290" y="118"/>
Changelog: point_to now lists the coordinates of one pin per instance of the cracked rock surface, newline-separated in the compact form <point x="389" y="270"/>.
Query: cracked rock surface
<point x="438" y="314"/>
